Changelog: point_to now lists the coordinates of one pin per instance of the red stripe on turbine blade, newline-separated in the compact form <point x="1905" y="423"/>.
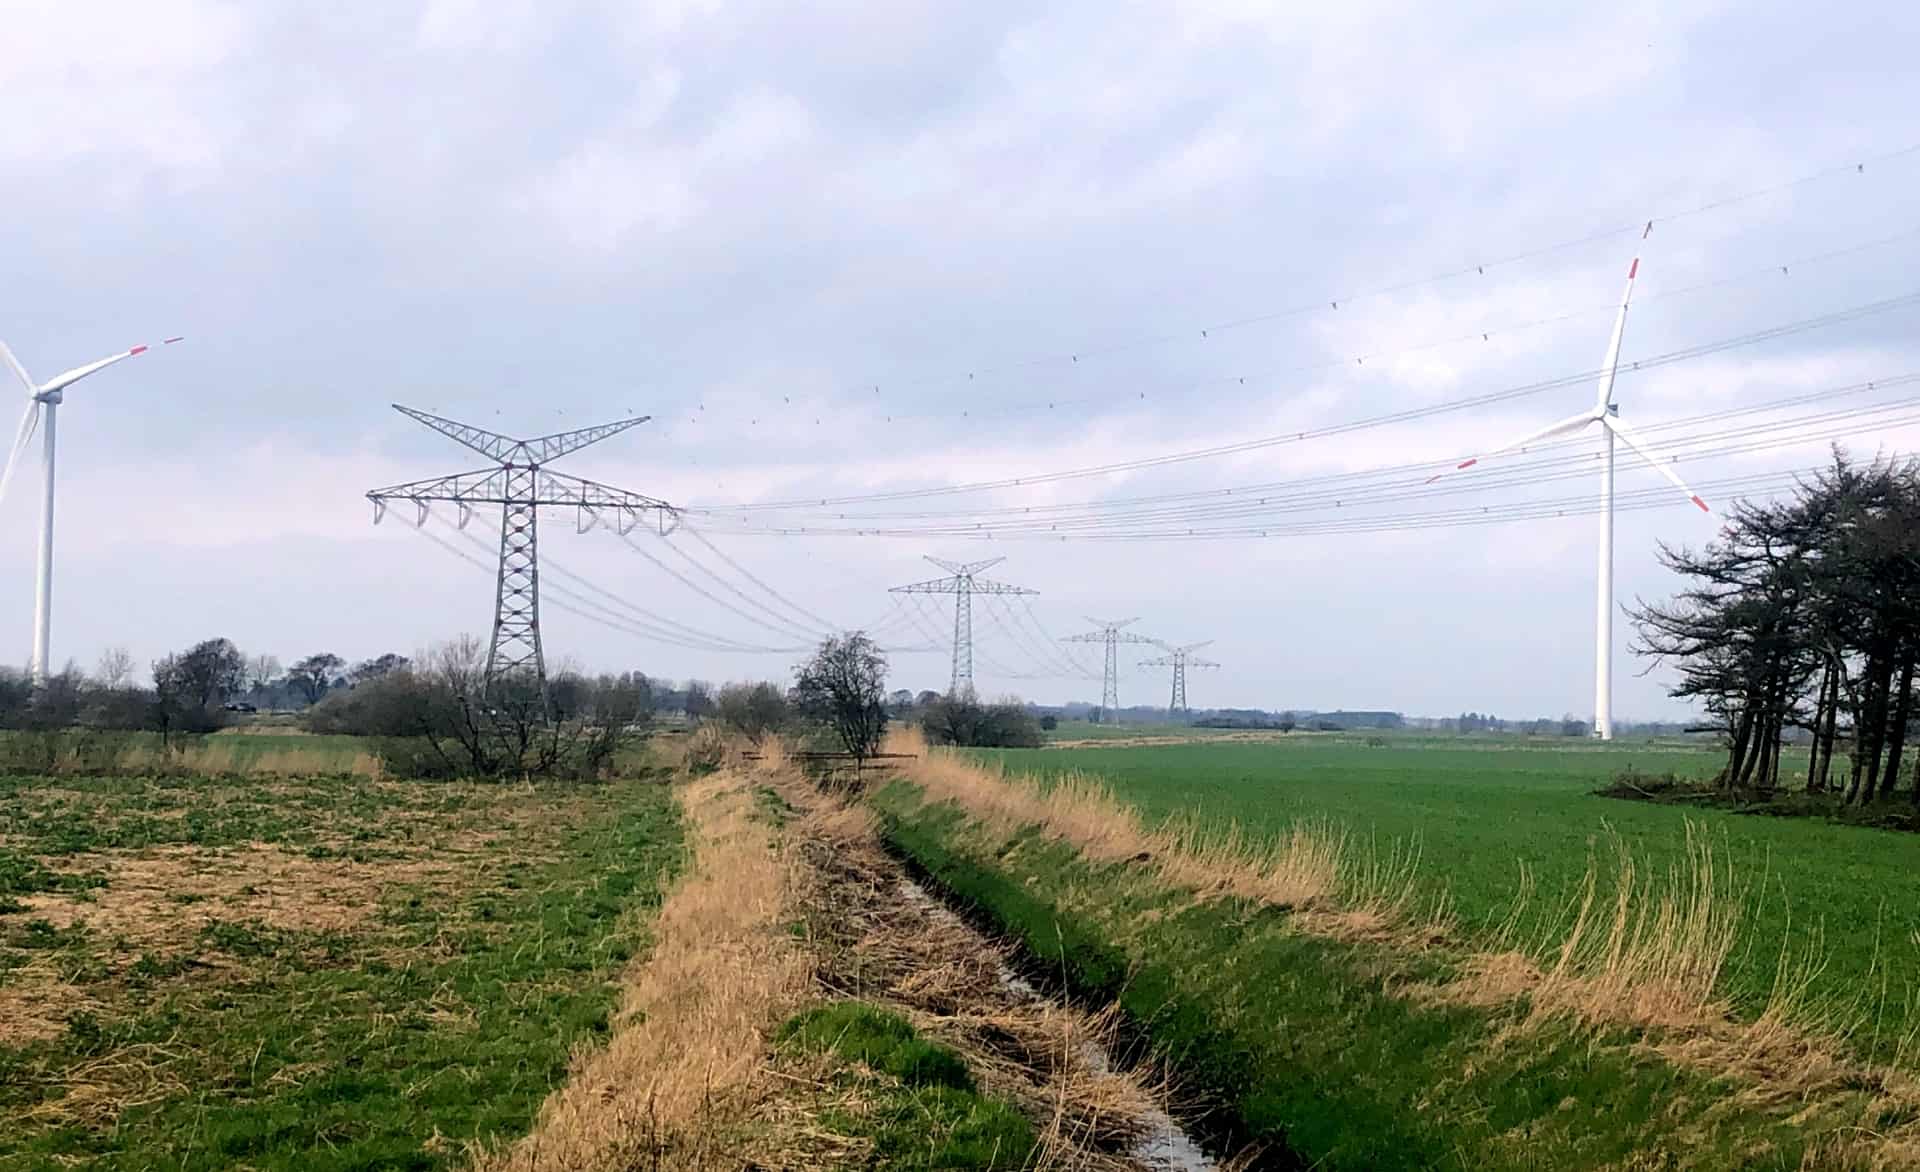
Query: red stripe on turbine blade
<point x="1634" y="269"/>
<point x="1466" y="464"/>
<point x="1702" y="504"/>
<point x="138" y="350"/>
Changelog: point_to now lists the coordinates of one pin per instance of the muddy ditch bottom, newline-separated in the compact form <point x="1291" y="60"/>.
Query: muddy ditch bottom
<point x="883" y="936"/>
<point x="1163" y="1145"/>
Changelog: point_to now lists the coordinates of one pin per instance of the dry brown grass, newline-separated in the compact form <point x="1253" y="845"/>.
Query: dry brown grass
<point x="220" y="757"/>
<point x="1349" y="887"/>
<point x="159" y="900"/>
<point x="165" y="895"/>
<point x="690" y="1079"/>
<point x="217" y="757"/>
<point x="675" y="1085"/>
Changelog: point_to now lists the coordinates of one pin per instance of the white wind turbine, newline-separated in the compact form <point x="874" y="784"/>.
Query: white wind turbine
<point x="43" y="402"/>
<point x="1604" y="413"/>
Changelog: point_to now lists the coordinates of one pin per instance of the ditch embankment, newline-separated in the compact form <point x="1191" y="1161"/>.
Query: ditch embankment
<point x="1310" y="999"/>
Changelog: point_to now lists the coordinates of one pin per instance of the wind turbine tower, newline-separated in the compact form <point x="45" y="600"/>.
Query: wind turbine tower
<point x="522" y="485"/>
<point x="1179" y="659"/>
<point x="963" y="583"/>
<point x="1112" y="634"/>
<point x="1605" y="416"/>
<point x="42" y="411"/>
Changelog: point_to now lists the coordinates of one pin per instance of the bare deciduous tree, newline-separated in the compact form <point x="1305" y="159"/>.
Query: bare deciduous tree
<point x="116" y="667"/>
<point x="844" y="686"/>
<point x="262" y="670"/>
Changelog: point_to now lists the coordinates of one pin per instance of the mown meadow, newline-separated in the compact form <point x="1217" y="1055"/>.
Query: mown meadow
<point x="323" y="972"/>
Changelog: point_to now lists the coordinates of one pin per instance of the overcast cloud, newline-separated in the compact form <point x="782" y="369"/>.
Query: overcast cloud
<point x="742" y="219"/>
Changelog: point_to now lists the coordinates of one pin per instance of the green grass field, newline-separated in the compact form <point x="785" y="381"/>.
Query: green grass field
<point x="320" y="973"/>
<point x="1480" y="810"/>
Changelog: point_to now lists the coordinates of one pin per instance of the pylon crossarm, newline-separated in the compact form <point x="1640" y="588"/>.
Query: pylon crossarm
<point x="557" y="488"/>
<point x="933" y="586"/>
<point x="490" y="444"/>
<point x="989" y="586"/>
<point x="551" y="447"/>
<point x="487" y="486"/>
<point x="525" y="453"/>
<point x="962" y="569"/>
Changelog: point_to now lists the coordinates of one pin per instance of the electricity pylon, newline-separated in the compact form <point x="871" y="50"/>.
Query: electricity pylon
<point x="1179" y="659"/>
<point x="963" y="585"/>
<point x="1112" y="635"/>
<point x="522" y="485"/>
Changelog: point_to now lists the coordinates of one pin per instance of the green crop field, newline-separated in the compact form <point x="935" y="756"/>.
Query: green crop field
<point x="313" y="973"/>
<point x="1478" y="811"/>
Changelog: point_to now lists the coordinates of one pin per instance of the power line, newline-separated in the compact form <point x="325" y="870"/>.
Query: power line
<point x="818" y="622"/>
<point x="1049" y="639"/>
<point x="787" y="630"/>
<point x="1032" y="403"/>
<point x="1334" y="479"/>
<point x="1332" y="302"/>
<point x="780" y="621"/>
<point x="1838" y="317"/>
<point x="1048" y="657"/>
<point x="585" y="608"/>
<point x="1756" y="438"/>
<point x="1351" y="496"/>
<point x="648" y="623"/>
<point x="1178" y="525"/>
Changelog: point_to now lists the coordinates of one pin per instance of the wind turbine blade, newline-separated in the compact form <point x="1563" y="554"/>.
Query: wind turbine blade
<point x="1633" y="441"/>
<point x="28" y="420"/>
<point x="59" y="381"/>
<point x="1611" y="366"/>
<point x="1566" y="426"/>
<point x="19" y="371"/>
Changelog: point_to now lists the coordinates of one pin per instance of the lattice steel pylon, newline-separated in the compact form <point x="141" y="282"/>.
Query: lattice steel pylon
<point x="1111" y="634"/>
<point x="963" y="585"/>
<point x="1179" y="659"/>
<point x="522" y="485"/>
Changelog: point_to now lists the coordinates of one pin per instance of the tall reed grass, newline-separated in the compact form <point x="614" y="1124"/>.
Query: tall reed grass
<point x="80" y="753"/>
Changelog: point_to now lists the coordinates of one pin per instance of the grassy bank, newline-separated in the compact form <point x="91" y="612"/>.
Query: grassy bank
<point x="1366" y="1041"/>
<point x="320" y="974"/>
<point x="913" y="1101"/>
<point x="1510" y="832"/>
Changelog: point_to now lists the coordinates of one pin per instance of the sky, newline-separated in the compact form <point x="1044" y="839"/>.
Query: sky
<point x="838" y="250"/>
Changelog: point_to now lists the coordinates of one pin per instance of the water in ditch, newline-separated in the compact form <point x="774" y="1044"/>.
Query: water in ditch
<point x="1163" y="1145"/>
